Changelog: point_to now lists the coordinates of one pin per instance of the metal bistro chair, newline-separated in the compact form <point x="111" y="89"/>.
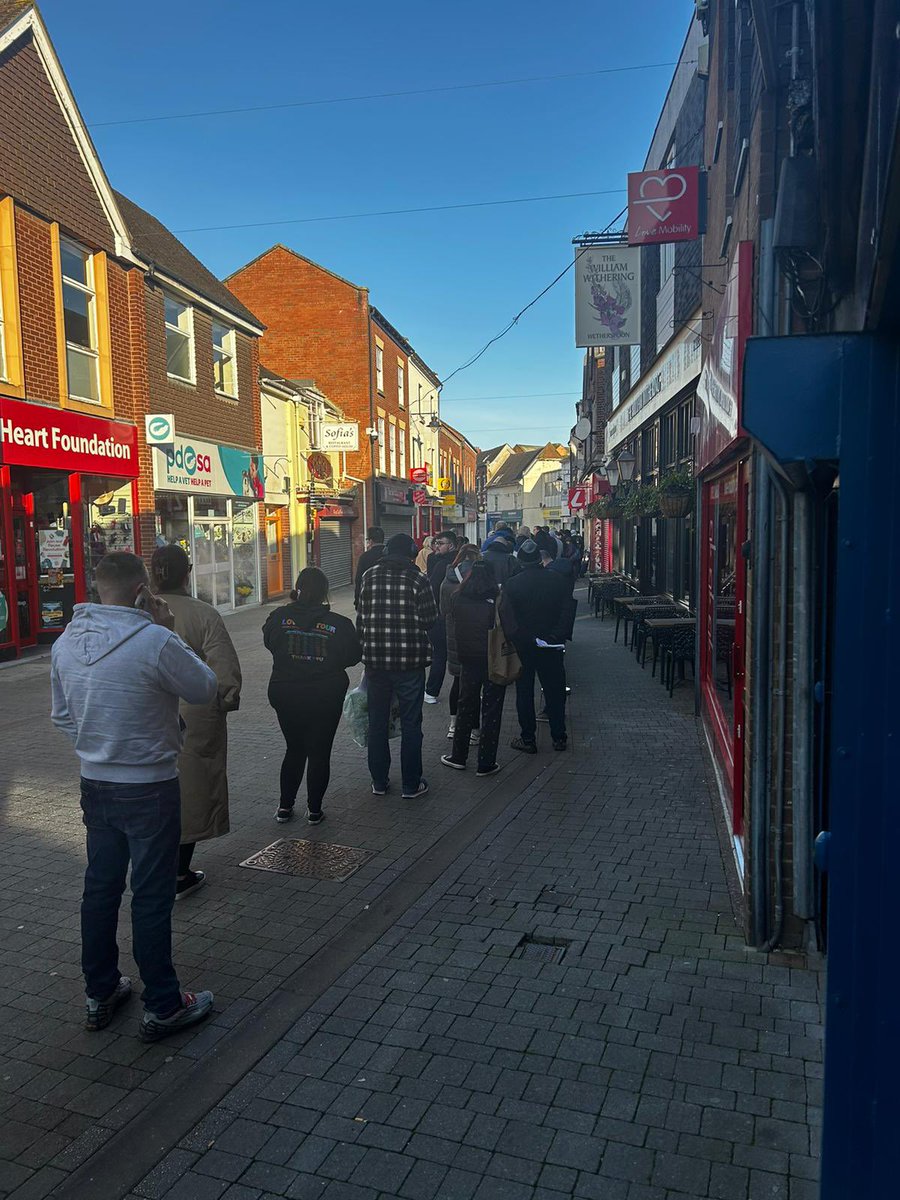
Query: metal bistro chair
<point x="623" y="614"/>
<point x="604" y="592"/>
<point x="640" y="632"/>
<point x="682" y="649"/>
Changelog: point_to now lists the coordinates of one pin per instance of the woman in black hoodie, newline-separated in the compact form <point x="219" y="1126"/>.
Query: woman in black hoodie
<point x="311" y="649"/>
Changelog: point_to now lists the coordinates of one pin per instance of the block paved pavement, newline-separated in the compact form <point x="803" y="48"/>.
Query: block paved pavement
<point x="658" y="1059"/>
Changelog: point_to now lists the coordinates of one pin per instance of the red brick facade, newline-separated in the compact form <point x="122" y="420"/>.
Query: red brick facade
<point x="320" y="327"/>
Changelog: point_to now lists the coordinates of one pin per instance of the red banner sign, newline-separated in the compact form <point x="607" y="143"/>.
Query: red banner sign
<point x="579" y="497"/>
<point x="418" y="474"/>
<point x="35" y="435"/>
<point x="663" y="206"/>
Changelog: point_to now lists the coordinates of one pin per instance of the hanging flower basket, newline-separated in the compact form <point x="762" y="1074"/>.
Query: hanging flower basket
<point x="676" y="493"/>
<point x="675" y="504"/>
<point x="642" y="501"/>
<point x="605" y="508"/>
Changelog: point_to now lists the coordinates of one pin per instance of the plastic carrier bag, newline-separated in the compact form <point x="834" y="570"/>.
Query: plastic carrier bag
<point x="356" y="714"/>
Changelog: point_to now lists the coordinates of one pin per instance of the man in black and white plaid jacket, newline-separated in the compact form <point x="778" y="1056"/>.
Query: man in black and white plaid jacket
<point x="396" y="608"/>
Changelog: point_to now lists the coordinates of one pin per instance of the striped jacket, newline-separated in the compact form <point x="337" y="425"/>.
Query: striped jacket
<point x="396" y="608"/>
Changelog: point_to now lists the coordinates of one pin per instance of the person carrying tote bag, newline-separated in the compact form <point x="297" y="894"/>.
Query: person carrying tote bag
<point x="471" y="618"/>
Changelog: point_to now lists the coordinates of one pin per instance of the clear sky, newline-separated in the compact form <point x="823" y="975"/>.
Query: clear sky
<point x="447" y="280"/>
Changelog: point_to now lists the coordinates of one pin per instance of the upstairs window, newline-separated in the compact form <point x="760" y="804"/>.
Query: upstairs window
<point x="401" y="384"/>
<point x="179" y="340"/>
<point x="382" y="449"/>
<point x="224" y="368"/>
<point x="393" y="449"/>
<point x="402" y="451"/>
<point x="379" y="367"/>
<point x="80" y="323"/>
<point x="3" y="374"/>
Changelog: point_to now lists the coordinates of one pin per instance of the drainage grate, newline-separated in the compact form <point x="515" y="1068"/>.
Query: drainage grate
<point x="317" y="860"/>
<point x="548" y="950"/>
<point x="557" y="899"/>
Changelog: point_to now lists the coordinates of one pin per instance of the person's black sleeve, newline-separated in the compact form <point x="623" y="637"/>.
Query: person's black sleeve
<point x="270" y="630"/>
<point x="349" y="647"/>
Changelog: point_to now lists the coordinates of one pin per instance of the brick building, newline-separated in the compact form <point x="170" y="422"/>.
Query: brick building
<point x="458" y="460"/>
<point x="72" y="378"/>
<point x="321" y="326"/>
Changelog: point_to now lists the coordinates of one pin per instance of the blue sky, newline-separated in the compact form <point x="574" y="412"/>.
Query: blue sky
<point x="447" y="280"/>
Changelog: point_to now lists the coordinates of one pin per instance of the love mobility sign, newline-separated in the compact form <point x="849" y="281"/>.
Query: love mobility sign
<point x="663" y="206"/>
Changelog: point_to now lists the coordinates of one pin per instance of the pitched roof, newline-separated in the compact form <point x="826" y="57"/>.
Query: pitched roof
<point x="161" y="248"/>
<point x="514" y="468"/>
<point x="294" y="254"/>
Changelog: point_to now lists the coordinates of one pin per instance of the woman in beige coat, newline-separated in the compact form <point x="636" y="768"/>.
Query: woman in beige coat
<point x="202" y="765"/>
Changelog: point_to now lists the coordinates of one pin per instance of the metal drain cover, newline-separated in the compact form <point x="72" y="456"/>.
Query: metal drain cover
<point x="548" y="950"/>
<point x="317" y="860"/>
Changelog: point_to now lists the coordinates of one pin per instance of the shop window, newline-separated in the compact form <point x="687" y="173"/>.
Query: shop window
<point x="172" y="526"/>
<point x="224" y="360"/>
<point x="107" y="521"/>
<point x="246" y="553"/>
<point x="179" y="340"/>
<point x="379" y="367"/>
<point x="382" y="448"/>
<point x="79" y="300"/>
<point x="401" y="384"/>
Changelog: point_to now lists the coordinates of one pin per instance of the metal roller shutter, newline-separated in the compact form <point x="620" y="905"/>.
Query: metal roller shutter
<point x="336" y="551"/>
<point x="392" y="525"/>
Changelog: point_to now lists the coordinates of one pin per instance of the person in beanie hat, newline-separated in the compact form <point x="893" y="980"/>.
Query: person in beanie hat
<point x="395" y="611"/>
<point x="533" y="609"/>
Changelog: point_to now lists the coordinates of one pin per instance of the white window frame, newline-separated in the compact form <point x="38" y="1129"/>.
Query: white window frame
<point x="402" y="436"/>
<point x="379" y="367"/>
<point x="382" y="448"/>
<point x="316" y="411"/>
<point x="401" y="383"/>
<point x="393" y="449"/>
<point x="189" y="334"/>
<point x="229" y="348"/>
<point x="89" y="289"/>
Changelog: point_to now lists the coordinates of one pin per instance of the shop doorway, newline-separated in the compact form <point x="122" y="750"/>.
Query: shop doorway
<point x="722" y="626"/>
<point x="213" y="562"/>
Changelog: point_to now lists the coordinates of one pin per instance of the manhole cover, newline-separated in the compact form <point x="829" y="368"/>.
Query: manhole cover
<point x="548" y="950"/>
<point x="557" y="899"/>
<point x="318" y="860"/>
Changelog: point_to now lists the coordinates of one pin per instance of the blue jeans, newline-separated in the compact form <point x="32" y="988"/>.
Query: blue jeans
<point x="140" y="823"/>
<point x="409" y="688"/>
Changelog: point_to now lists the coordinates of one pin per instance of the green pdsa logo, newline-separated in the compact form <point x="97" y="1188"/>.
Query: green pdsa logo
<point x="160" y="429"/>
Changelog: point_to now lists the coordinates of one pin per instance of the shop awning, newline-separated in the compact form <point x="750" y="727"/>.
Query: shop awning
<point x="793" y="391"/>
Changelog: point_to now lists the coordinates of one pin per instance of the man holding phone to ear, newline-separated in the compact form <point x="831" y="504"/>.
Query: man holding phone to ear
<point x="118" y="673"/>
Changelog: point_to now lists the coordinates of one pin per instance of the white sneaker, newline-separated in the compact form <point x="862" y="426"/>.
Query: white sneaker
<point x="474" y="737"/>
<point x="430" y="699"/>
<point x="452" y="729"/>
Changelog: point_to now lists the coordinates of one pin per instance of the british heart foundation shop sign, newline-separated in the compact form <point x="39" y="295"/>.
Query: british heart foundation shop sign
<point x="663" y="206"/>
<point x="35" y="435"/>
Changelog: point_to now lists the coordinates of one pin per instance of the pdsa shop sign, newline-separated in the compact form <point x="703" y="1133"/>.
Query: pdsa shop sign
<point x="192" y="465"/>
<point x="160" y="429"/>
<point x="607" y="296"/>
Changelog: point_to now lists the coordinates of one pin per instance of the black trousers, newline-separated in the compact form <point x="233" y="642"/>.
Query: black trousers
<point x="309" y="717"/>
<point x="550" y="668"/>
<point x="474" y="685"/>
<point x="454" y="703"/>
<point x="438" y="636"/>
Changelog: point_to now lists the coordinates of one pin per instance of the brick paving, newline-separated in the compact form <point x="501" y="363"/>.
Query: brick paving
<point x="659" y="1059"/>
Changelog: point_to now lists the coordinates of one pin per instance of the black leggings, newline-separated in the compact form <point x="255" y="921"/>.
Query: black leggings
<point x="309" y="718"/>
<point x="454" y="703"/>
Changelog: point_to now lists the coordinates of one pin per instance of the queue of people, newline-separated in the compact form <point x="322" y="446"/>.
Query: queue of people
<point x="144" y="679"/>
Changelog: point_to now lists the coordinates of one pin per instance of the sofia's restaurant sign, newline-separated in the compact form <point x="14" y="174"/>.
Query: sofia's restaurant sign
<point x="192" y="465"/>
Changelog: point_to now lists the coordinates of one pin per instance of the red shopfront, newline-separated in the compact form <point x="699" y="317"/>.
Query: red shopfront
<point x="721" y="454"/>
<point x="67" y="497"/>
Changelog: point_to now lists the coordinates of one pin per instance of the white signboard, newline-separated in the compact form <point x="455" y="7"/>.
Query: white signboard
<point x="607" y="295"/>
<point x="160" y="429"/>
<point x="340" y="437"/>
<point x="672" y="371"/>
<point x="206" y="468"/>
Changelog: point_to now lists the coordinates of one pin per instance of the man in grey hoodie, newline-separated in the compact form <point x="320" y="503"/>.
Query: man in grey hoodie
<point x="118" y="672"/>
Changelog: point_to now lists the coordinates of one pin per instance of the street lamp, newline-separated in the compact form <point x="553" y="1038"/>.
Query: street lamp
<point x="627" y="463"/>
<point x="612" y="473"/>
